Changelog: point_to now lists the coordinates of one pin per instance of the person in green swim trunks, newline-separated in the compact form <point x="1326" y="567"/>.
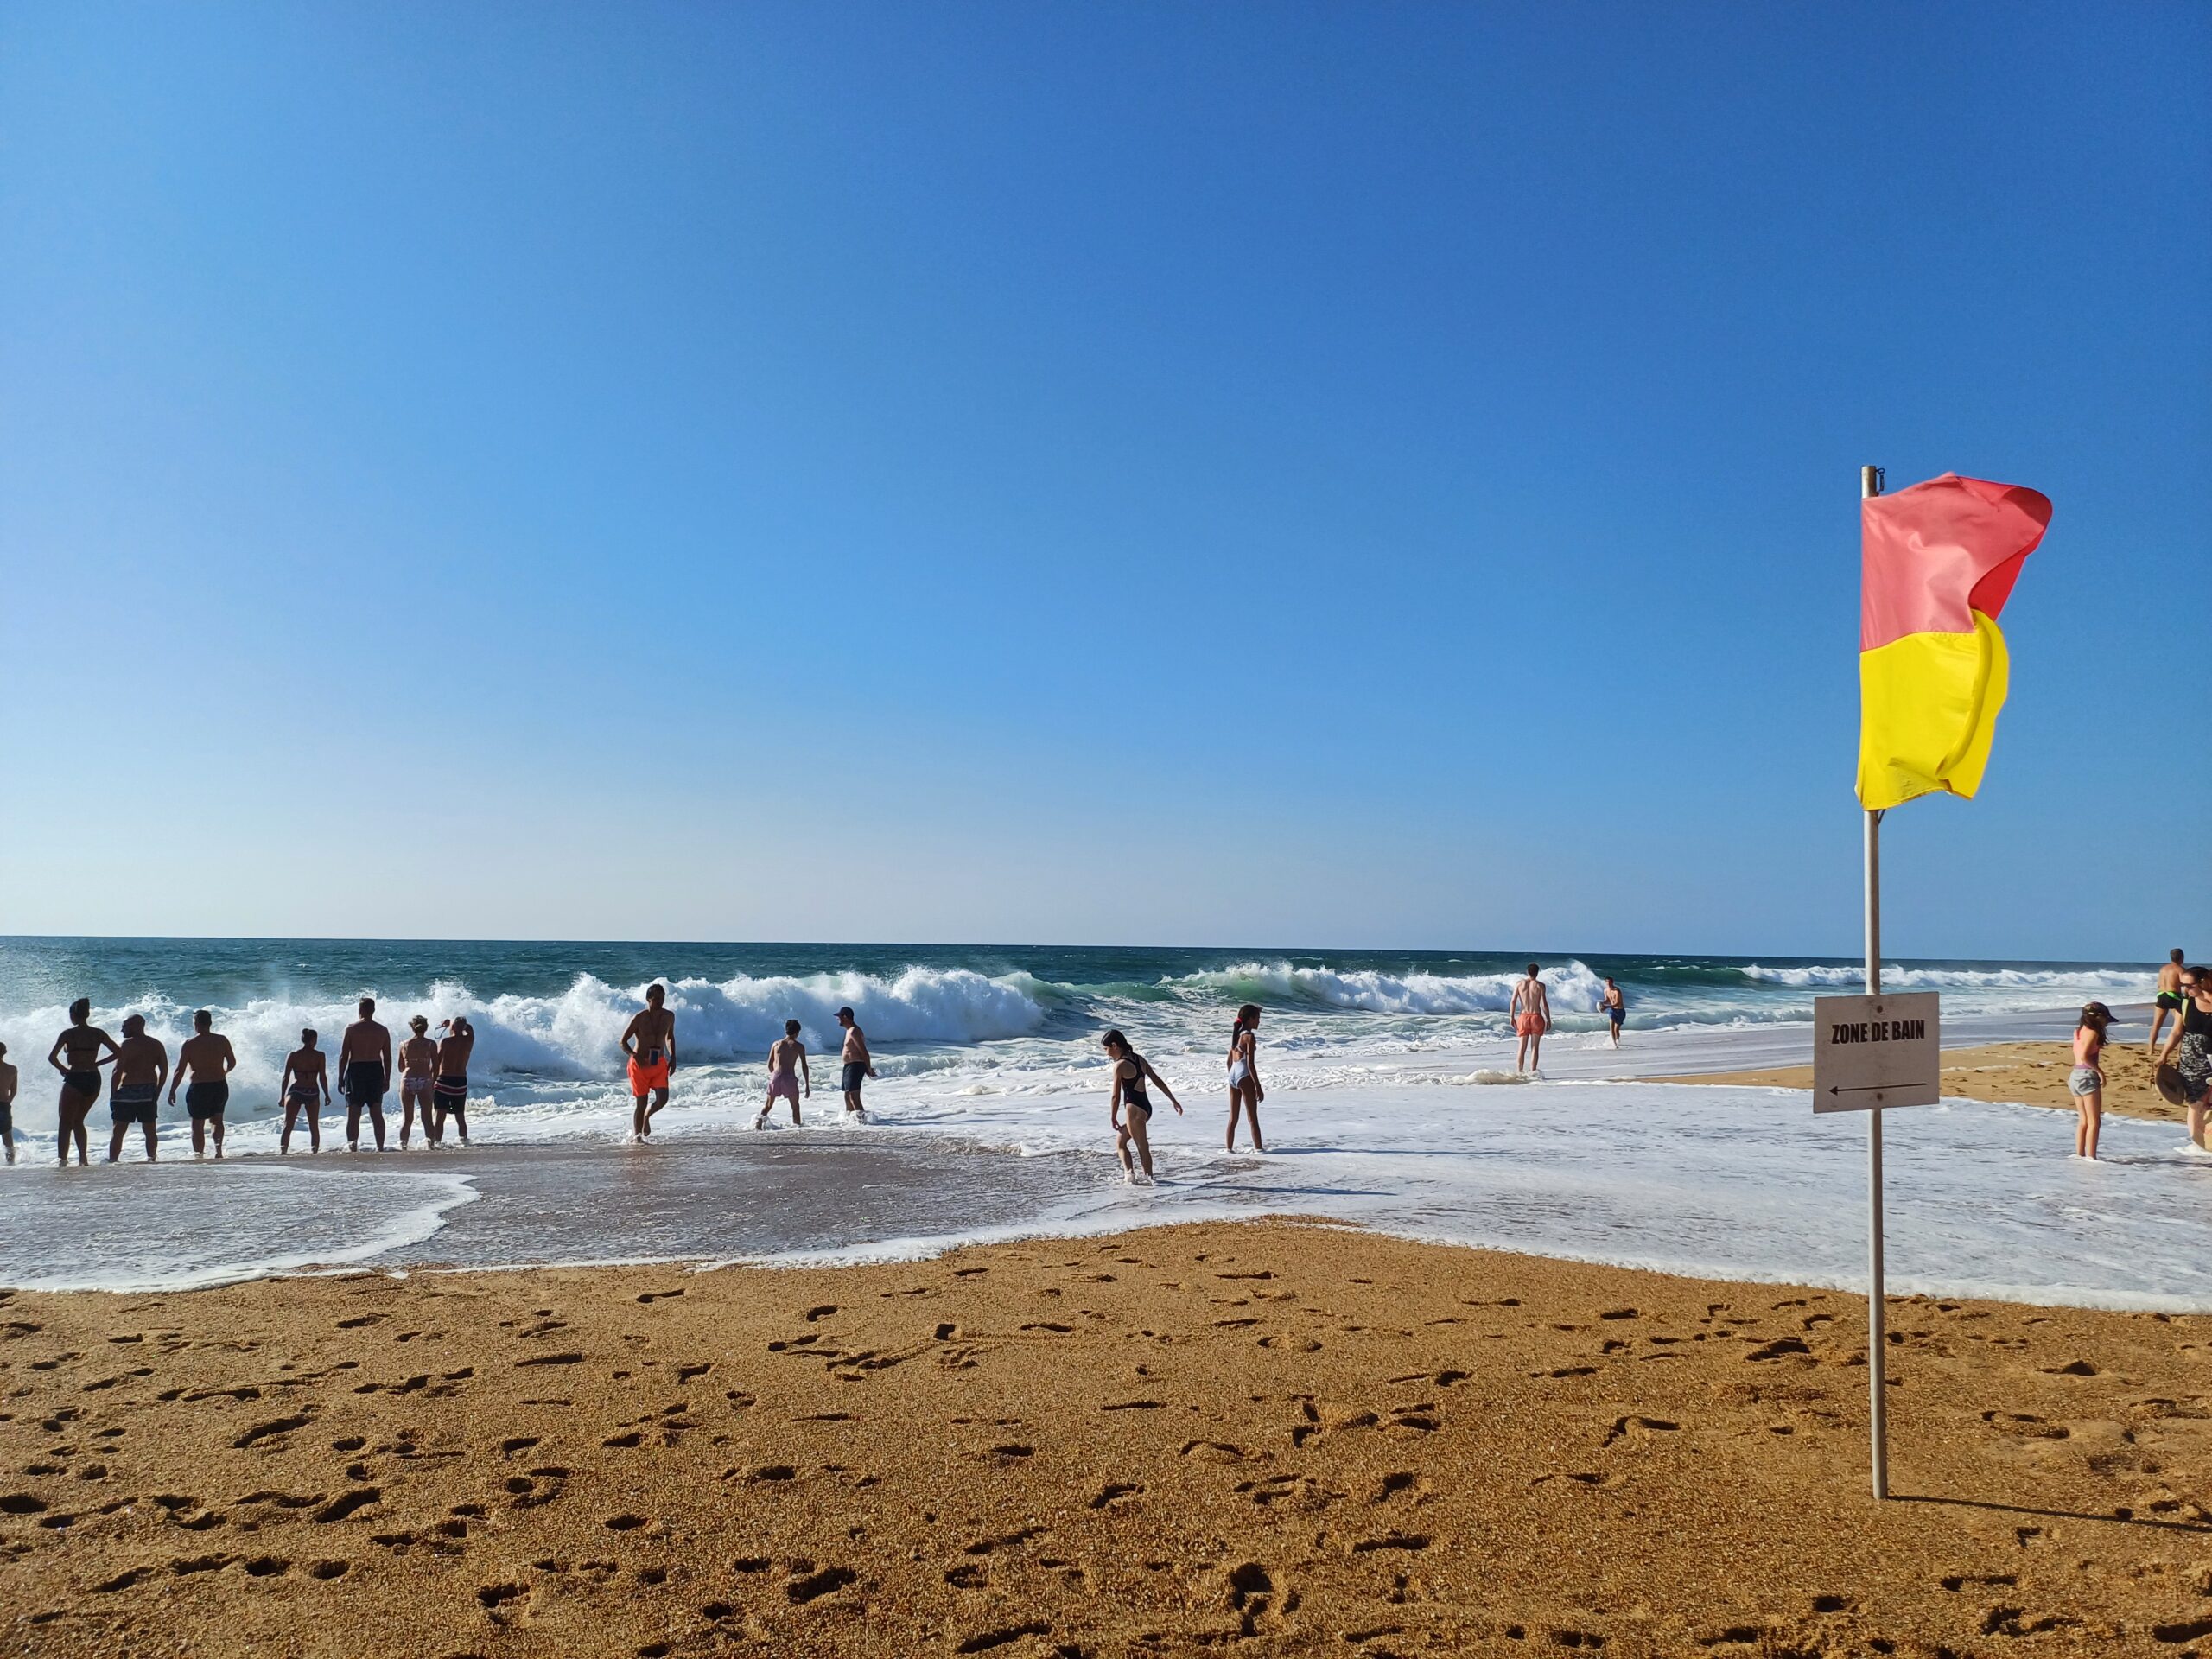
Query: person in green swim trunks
<point x="2168" y="998"/>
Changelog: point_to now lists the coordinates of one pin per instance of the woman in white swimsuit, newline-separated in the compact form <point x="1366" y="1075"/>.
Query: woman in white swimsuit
<point x="1244" y="1091"/>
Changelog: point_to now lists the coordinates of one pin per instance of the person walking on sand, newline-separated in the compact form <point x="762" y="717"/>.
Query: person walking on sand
<point x="7" y="1104"/>
<point x="1131" y="1071"/>
<point x="204" y="1065"/>
<point x="786" y="1066"/>
<point x="450" y="1093"/>
<point x="1532" y="1017"/>
<point x="142" y="1066"/>
<point x="859" y="1063"/>
<point x="2086" y="1082"/>
<point x="1244" y="1091"/>
<point x="305" y="1076"/>
<point x="418" y="1068"/>
<point x="650" y="1041"/>
<point x="2168" y="998"/>
<point x="365" y="1073"/>
<point x="76" y="1055"/>
<point x="1614" y="1007"/>
<point x="2189" y="1049"/>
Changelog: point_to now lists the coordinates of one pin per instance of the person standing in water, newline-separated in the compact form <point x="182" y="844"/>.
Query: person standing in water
<point x="365" y="1073"/>
<point x="649" y="1042"/>
<point x="1532" y="1017"/>
<point x="1131" y="1071"/>
<point x="1244" y="1091"/>
<point x="142" y="1066"/>
<point x="2189" y="1049"/>
<point x="1614" y="1007"/>
<point x="204" y="1063"/>
<point x="76" y="1055"/>
<point x="419" y="1067"/>
<point x="450" y="1093"/>
<point x="2085" y="1083"/>
<point x="786" y="1066"/>
<point x="305" y="1076"/>
<point x="2169" y="999"/>
<point x="7" y="1104"/>
<point x="859" y="1065"/>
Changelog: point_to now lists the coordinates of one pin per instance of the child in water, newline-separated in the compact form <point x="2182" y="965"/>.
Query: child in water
<point x="2085" y="1083"/>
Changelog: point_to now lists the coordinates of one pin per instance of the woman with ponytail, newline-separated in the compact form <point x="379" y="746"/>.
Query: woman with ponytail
<point x="1244" y="1091"/>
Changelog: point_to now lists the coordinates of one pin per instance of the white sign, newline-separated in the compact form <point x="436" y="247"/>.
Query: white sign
<point x="1869" y="1051"/>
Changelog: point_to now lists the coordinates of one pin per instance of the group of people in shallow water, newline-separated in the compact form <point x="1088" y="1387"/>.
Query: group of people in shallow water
<point x="432" y="1075"/>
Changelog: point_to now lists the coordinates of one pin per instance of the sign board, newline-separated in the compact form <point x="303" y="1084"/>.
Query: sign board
<point x="1870" y="1051"/>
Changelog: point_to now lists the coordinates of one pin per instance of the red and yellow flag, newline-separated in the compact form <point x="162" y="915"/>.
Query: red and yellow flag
<point x="1937" y="561"/>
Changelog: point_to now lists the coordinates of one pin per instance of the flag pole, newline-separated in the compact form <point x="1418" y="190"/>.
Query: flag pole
<point x="1878" y="1422"/>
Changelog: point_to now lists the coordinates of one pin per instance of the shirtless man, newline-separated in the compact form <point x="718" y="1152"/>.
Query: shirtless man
<point x="452" y="1089"/>
<point x="1532" y="1018"/>
<point x="419" y="1067"/>
<point x="204" y="1065"/>
<point x="307" y="1075"/>
<point x="76" y="1055"/>
<point x="650" y="1041"/>
<point x="142" y="1066"/>
<point x="1614" y="1007"/>
<point x="786" y="1066"/>
<point x="7" y="1104"/>
<point x="859" y="1065"/>
<point x="2169" y="998"/>
<point x="365" y="1073"/>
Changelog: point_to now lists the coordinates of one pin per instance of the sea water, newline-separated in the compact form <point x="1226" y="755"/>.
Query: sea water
<point x="989" y="1118"/>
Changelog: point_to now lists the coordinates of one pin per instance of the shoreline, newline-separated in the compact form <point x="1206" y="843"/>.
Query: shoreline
<point x="1274" y="1435"/>
<point x="2006" y="1074"/>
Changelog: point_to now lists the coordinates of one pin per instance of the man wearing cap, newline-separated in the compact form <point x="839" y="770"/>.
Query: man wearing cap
<point x="859" y="1066"/>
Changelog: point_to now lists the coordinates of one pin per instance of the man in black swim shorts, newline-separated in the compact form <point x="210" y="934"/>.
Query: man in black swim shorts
<point x="859" y="1064"/>
<point x="363" y="1074"/>
<point x="7" y="1104"/>
<point x="204" y="1065"/>
<point x="142" y="1066"/>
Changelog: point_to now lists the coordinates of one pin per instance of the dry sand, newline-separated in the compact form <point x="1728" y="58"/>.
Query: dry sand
<point x="1269" y="1438"/>
<point x="2032" y="1074"/>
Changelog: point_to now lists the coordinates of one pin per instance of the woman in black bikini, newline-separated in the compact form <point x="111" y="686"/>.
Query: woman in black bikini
<point x="77" y="1056"/>
<point x="1131" y="1069"/>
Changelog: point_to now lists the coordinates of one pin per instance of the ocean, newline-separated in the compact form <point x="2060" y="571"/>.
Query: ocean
<point x="989" y="1118"/>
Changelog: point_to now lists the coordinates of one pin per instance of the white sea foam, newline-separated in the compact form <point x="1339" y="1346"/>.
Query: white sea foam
<point x="1572" y="987"/>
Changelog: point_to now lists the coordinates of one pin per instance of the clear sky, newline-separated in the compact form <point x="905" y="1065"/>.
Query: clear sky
<point x="1267" y="474"/>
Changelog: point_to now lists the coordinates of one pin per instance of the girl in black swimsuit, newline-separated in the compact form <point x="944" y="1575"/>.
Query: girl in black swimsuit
<point x="1131" y="1071"/>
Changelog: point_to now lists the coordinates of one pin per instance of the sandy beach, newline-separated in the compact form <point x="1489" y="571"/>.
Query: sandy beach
<point x="2032" y="1074"/>
<point x="1261" y="1437"/>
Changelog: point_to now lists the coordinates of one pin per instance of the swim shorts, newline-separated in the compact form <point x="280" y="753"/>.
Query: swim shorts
<point x="1616" y="1016"/>
<point x="206" y="1100"/>
<point x="134" y="1102"/>
<point x="6" y="1118"/>
<point x="648" y="1071"/>
<point x="2084" y="1080"/>
<point x="784" y="1087"/>
<point x="364" y="1083"/>
<point x="451" y="1090"/>
<point x="855" y="1075"/>
<point x="2169" y="1000"/>
<point x="1529" y="1024"/>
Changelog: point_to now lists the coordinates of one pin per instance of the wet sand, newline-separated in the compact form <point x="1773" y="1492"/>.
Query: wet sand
<point x="2032" y="1074"/>
<point x="1266" y="1438"/>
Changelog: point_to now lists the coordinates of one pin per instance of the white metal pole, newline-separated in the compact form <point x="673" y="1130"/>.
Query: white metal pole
<point x="1877" y="1417"/>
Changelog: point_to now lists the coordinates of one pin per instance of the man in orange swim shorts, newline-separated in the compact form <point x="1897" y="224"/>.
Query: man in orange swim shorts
<point x="649" y="1042"/>
<point x="1532" y="1018"/>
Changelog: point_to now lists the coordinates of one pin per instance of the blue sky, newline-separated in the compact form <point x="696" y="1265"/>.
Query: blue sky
<point x="1263" y="474"/>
